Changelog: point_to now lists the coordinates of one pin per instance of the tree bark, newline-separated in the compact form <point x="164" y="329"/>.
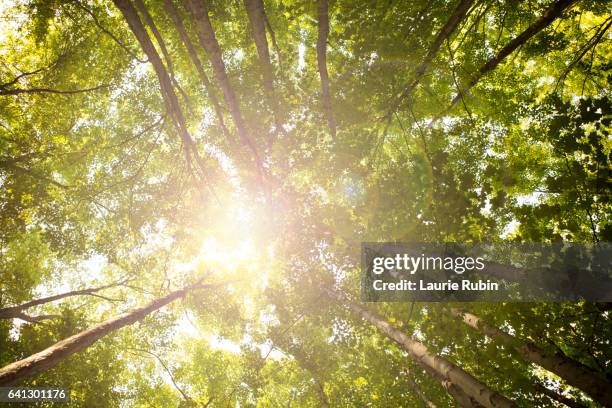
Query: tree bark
<point x="277" y="50"/>
<point x="17" y="311"/>
<point x="180" y="27"/>
<point x="172" y="104"/>
<point x="460" y="397"/>
<point x="551" y="14"/>
<point x="449" y="27"/>
<point x="257" y="20"/>
<point x="55" y="354"/>
<point x="208" y="41"/>
<point x="148" y="20"/>
<point x="322" y="34"/>
<point x="573" y="372"/>
<point x="447" y="371"/>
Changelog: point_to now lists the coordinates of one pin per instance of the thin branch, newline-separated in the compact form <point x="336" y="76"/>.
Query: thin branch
<point x="14" y="311"/>
<point x="590" y="44"/>
<point x="550" y="15"/>
<point x="109" y="33"/>
<point x="17" y="91"/>
<point x="449" y="27"/>
<point x="18" y="77"/>
<point x="169" y="372"/>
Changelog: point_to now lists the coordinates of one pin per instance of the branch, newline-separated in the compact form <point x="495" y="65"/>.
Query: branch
<point x="208" y="41"/>
<point x="257" y="20"/>
<point x="558" y="397"/>
<point x="9" y="164"/>
<point x="161" y="362"/>
<point x="17" y="91"/>
<point x="449" y="27"/>
<point x="18" y="77"/>
<point x="35" y="319"/>
<point x="16" y="311"/>
<point x="110" y="34"/>
<point x="590" y="44"/>
<point x="550" y="15"/>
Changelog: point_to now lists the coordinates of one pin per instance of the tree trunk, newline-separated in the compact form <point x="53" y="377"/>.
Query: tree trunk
<point x="55" y="354"/>
<point x="552" y="13"/>
<point x="277" y="50"/>
<point x="257" y="19"/>
<point x="451" y="24"/>
<point x="448" y="371"/>
<point x="160" y="41"/>
<point x="573" y="372"/>
<point x="180" y="27"/>
<point x="322" y="34"/>
<point x="454" y="391"/>
<point x="17" y="311"/>
<point x="460" y="397"/>
<point x="208" y="41"/>
<point x="162" y="45"/>
<point x="172" y="104"/>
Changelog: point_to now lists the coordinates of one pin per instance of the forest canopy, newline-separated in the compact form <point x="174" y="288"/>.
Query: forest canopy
<point x="185" y="186"/>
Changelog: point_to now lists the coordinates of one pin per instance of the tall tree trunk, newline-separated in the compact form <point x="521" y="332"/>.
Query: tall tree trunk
<point x="257" y="20"/>
<point x="55" y="354"/>
<point x="449" y="27"/>
<point x="420" y="354"/>
<point x="322" y="34"/>
<point x="552" y="13"/>
<point x="180" y="27"/>
<point x="277" y="50"/>
<point x="148" y="19"/>
<point x="17" y="311"/>
<point x="573" y="372"/>
<point x="208" y="41"/>
<point x="172" y="104"/>
<point x="558" y="397"/>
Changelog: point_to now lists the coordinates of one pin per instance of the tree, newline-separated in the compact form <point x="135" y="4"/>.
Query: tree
<point x="260" y="142"/>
